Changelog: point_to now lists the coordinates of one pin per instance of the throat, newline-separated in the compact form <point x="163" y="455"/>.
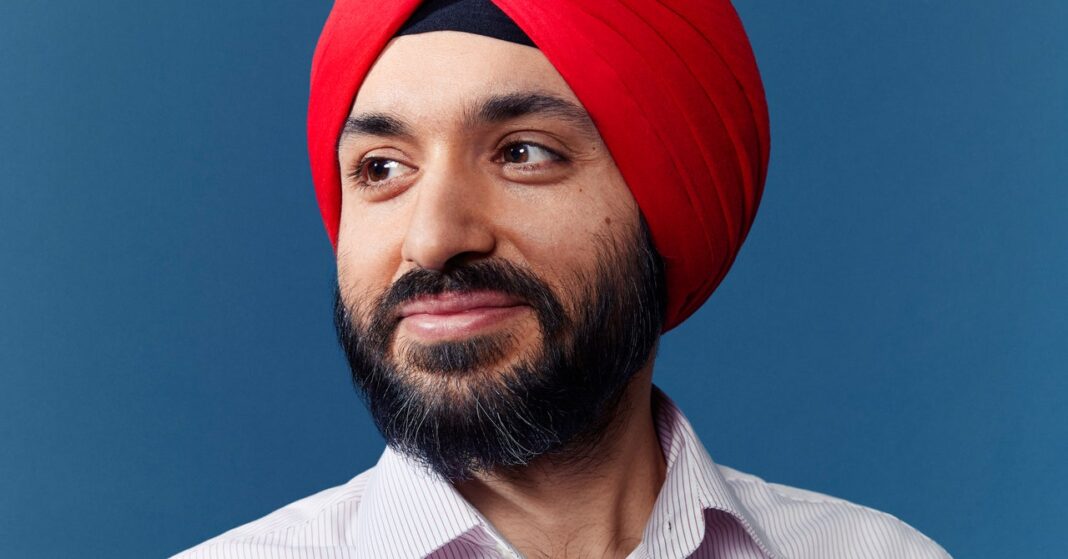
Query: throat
<point x="594" y="505"/>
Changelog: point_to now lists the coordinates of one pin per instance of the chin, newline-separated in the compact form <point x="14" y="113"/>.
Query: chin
<point x="483" y="356"/>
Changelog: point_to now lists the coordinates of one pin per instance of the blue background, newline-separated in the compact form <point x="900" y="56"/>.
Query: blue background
<point x="893" y="333"/>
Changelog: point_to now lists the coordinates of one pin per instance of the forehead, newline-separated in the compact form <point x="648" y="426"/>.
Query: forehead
<point x="430" y="74"/>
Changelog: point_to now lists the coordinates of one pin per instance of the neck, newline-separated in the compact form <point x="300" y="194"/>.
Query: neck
<point x="561" y="508"/>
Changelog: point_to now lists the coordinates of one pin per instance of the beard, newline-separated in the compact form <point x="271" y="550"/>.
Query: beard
<point x="481" y="404"/>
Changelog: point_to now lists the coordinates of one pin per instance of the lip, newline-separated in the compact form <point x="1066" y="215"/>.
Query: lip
<point x="456" y="315"/>
<point x="454" y="303"/>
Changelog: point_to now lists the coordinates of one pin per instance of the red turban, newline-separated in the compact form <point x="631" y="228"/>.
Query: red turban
<point x="672" y="86"/>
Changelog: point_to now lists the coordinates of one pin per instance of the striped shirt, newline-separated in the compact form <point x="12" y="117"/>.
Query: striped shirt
<point x="398" y="509"/>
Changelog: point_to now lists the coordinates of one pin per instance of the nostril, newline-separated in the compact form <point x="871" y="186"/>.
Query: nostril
<point x="443" y="252"/>
<point x="464" y="259"/>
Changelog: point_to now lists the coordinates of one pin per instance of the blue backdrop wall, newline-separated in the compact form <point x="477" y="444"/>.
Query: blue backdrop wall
<point x="894" y="331"/>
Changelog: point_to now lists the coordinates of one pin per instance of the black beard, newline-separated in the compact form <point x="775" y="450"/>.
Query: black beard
<point x="451" y="410"/>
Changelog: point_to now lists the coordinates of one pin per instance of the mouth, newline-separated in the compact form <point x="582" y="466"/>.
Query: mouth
<point x="451" y="316"/>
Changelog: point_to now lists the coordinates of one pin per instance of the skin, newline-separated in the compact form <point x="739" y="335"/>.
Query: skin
<point x="439" y="186"/>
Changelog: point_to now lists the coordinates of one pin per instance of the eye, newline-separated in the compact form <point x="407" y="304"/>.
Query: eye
<point x="378" y="170"/>
<point x="528" y="153"/>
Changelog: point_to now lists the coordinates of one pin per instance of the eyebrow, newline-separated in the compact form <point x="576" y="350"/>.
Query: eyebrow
<point x="492" y="110"/>
<point x="510" y="106"/>
<point x="374" y="124"/>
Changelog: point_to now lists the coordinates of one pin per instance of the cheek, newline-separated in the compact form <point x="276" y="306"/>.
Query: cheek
<point x="368" y="254"/>
<point x="560" y="234"/>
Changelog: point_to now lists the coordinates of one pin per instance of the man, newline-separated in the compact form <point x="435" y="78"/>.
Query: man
<point x="523" y="196"/>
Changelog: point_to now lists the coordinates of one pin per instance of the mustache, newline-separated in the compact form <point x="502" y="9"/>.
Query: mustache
<point x="483" y="275"/>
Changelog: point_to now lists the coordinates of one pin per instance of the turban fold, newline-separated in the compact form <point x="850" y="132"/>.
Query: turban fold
<point x="672" y="86"/>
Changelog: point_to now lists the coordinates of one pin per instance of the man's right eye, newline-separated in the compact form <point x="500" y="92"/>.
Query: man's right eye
<point x="375" y="170"/>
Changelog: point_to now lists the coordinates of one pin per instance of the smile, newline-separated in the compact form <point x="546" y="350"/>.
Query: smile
<point x="457" y="315"/>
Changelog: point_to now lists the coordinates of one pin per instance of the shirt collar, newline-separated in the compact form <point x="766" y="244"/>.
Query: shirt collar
<point x="409" y="511"/>
<point x="693" y="483"/>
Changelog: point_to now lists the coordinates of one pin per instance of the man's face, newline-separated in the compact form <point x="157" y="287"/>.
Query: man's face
<point x="496" y="291"/>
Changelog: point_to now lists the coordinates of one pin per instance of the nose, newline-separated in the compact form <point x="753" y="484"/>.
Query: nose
<point x="449" y="222"/>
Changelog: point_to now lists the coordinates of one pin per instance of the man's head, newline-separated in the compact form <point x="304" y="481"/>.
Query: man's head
<point x="497" y="289"/>
<point x="498" y="285"/>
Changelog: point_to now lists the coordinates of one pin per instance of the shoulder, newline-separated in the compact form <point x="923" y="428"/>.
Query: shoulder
<point x="809" y="524"/>
<point x="322" y="518"/>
